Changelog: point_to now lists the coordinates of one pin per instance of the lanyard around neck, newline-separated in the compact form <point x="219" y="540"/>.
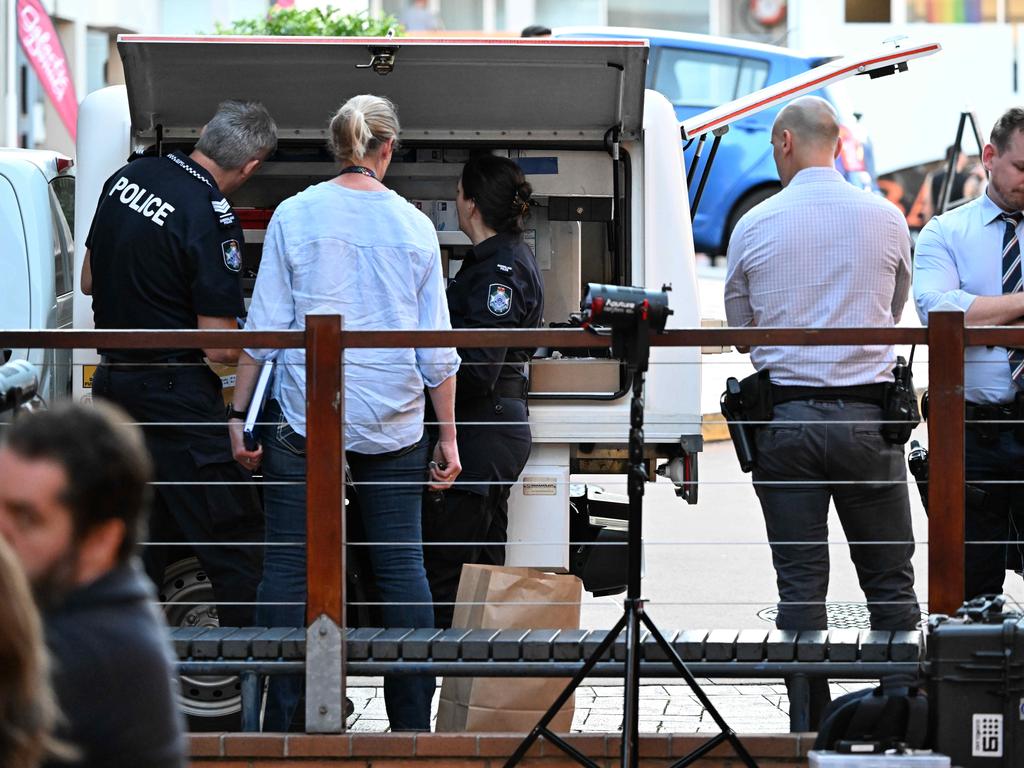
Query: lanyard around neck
<point x="359" y="169"/>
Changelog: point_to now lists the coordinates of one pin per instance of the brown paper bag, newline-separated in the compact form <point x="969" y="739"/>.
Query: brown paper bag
<point x="493" y="597"/>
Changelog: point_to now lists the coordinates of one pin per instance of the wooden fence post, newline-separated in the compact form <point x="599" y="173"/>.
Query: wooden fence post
<point x="946" y="461"/>
<point x="325" y="525"/>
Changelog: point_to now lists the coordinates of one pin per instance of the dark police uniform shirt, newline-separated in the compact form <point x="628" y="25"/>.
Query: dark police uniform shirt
<point x="498" y="286"/>
<point x="165" y="247"/>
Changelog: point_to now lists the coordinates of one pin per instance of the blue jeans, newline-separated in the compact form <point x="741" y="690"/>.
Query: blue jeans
<point x="390" y="491"/>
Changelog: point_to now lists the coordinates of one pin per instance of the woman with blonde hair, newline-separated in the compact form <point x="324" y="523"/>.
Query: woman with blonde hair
<point x="351" y="246"/>
<point x="27" y="709"/>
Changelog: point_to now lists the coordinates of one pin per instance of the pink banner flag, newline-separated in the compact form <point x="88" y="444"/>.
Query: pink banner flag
<point x="42" y="47"/>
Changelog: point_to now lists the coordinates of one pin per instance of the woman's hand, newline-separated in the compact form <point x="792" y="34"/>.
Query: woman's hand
<point x="445" y="466"/>
<point x="249" y="460"/>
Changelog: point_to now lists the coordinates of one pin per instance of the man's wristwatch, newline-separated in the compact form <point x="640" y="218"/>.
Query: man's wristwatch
<point x="233" y="414"/>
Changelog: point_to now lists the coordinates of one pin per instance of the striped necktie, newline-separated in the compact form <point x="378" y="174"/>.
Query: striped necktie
<point x="1011" y="284"/>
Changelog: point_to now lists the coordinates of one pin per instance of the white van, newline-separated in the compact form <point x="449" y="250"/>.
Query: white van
<point x="603" y="156"/>
<point x="37" y="194"/>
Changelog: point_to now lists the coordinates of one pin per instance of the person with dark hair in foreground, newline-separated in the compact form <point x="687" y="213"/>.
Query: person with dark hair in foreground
<point x="498" y="286"/>
<point x="73" y="492"/>
<point x="27" y="709"/>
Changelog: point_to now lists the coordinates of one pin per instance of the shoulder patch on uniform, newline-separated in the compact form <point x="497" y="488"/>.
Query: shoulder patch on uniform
<point x="505" y="269"/>
<point x="499" y="299"/>
<point x="232" y="252"/>
<point x="222" y="210"/>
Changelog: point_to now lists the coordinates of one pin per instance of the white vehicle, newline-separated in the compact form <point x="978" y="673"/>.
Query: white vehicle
<point x="605" y="161"/>
<point x="37" y="193"/>
<point x="600" y="218"/>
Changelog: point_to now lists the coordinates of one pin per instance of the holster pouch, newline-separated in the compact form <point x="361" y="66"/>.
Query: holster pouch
<point x="900" y="413"/>
<point x="743" y="402"/>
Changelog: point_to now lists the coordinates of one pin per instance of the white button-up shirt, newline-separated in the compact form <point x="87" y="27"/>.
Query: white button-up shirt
<point x="820" y="254"/>
<point x="959" y="256"/>
<point x="373" y="258"/>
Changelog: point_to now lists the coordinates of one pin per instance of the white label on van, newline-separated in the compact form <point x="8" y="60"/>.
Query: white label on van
<point x="536" y="485"/>
<point x="1020" y="708"/>
<point x="987" y="739"/>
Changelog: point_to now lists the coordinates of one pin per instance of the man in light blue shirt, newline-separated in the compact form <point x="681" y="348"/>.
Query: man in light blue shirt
<point x="970" y="258"/>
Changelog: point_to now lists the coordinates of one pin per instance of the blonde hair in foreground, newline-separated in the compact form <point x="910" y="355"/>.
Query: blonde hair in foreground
<point x="27" y="709"/>
<point x="361" y="125"/>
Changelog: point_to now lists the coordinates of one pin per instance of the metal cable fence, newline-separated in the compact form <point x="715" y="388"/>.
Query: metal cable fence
<point x="329" y="552"/>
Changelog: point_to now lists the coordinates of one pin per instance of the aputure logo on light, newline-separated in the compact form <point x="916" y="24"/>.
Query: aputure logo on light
<point x="618" y="304"/>
<point x="39" y="46"/>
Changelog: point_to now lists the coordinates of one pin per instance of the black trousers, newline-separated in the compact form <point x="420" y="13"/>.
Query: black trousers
<point x="994" y="513"/>
<point x="461" y="527"/>
<point x="204" y="502"/>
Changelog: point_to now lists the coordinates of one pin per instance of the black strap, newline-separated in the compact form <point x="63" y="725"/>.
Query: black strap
<point x="868" y="393"/>
<point x="866" y="716"/>
<point x="358" y="169"/>
<point x="917" y="720"/>
<point x="173" y="359"/>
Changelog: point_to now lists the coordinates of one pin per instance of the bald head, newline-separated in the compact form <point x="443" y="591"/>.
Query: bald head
<point x="805" y="134"/>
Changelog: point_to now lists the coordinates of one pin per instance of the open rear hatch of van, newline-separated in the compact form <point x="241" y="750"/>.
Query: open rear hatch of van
<point x="495" y="91"/>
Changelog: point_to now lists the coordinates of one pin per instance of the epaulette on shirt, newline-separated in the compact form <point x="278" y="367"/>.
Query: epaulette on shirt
<point x="222" y="209"/>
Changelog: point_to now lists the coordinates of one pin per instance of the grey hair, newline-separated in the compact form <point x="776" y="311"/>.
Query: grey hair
<point x="361" y="125"/>
<point x="810" y="119"/>
<point x="240" y="131"/>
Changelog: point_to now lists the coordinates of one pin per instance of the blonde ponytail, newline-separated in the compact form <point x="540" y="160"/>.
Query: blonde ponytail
<point x="361" y="125"/>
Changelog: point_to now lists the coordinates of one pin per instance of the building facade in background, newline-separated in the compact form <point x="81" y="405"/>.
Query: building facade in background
<point x="88" y="31"/>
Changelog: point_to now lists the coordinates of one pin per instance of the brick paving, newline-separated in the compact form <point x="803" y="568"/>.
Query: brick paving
<point x="666" y="706"/>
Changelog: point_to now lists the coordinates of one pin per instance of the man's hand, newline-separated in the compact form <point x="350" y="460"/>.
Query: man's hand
<point x="445" y="466"/>
<point x="249" y="460"/>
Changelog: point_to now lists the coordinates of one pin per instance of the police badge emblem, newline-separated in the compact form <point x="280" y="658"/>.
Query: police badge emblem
<point x="232" y="255"/>
<point x="499" y="299"/>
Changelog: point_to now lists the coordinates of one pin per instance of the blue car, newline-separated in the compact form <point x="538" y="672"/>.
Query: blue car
<point x="698" y="72"/>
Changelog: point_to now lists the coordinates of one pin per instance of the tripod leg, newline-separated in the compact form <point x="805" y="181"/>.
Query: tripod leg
<point x="541" y="728"/>
<point x="680" y="665"/>
<point x="630" y="750"/>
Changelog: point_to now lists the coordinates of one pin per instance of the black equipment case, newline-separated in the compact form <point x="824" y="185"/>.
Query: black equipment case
<point x="976" y="685"/>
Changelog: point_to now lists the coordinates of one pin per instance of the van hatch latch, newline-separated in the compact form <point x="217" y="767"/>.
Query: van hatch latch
<point x="382" y="60"/>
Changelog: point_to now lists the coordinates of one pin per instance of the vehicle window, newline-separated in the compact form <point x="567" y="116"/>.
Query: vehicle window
<point x="700" y="79"/>
<point x="62" y="248"/>
<point x="64" y="188"/>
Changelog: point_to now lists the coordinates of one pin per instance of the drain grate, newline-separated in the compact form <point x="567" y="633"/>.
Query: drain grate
<point x="840" y="615"/>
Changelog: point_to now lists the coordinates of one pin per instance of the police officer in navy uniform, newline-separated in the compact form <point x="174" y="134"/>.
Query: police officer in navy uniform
<point x="498" y="286"/>
<point x="165" y="252"/>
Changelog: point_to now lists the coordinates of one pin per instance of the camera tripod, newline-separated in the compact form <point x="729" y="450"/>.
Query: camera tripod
<point x="632" y="346"/>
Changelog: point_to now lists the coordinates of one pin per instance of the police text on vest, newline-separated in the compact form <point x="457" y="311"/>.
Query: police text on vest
<point x="135" y="197"/>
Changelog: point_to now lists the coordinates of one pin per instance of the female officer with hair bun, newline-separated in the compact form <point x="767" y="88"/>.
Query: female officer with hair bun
<point x="498" y="286"/>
